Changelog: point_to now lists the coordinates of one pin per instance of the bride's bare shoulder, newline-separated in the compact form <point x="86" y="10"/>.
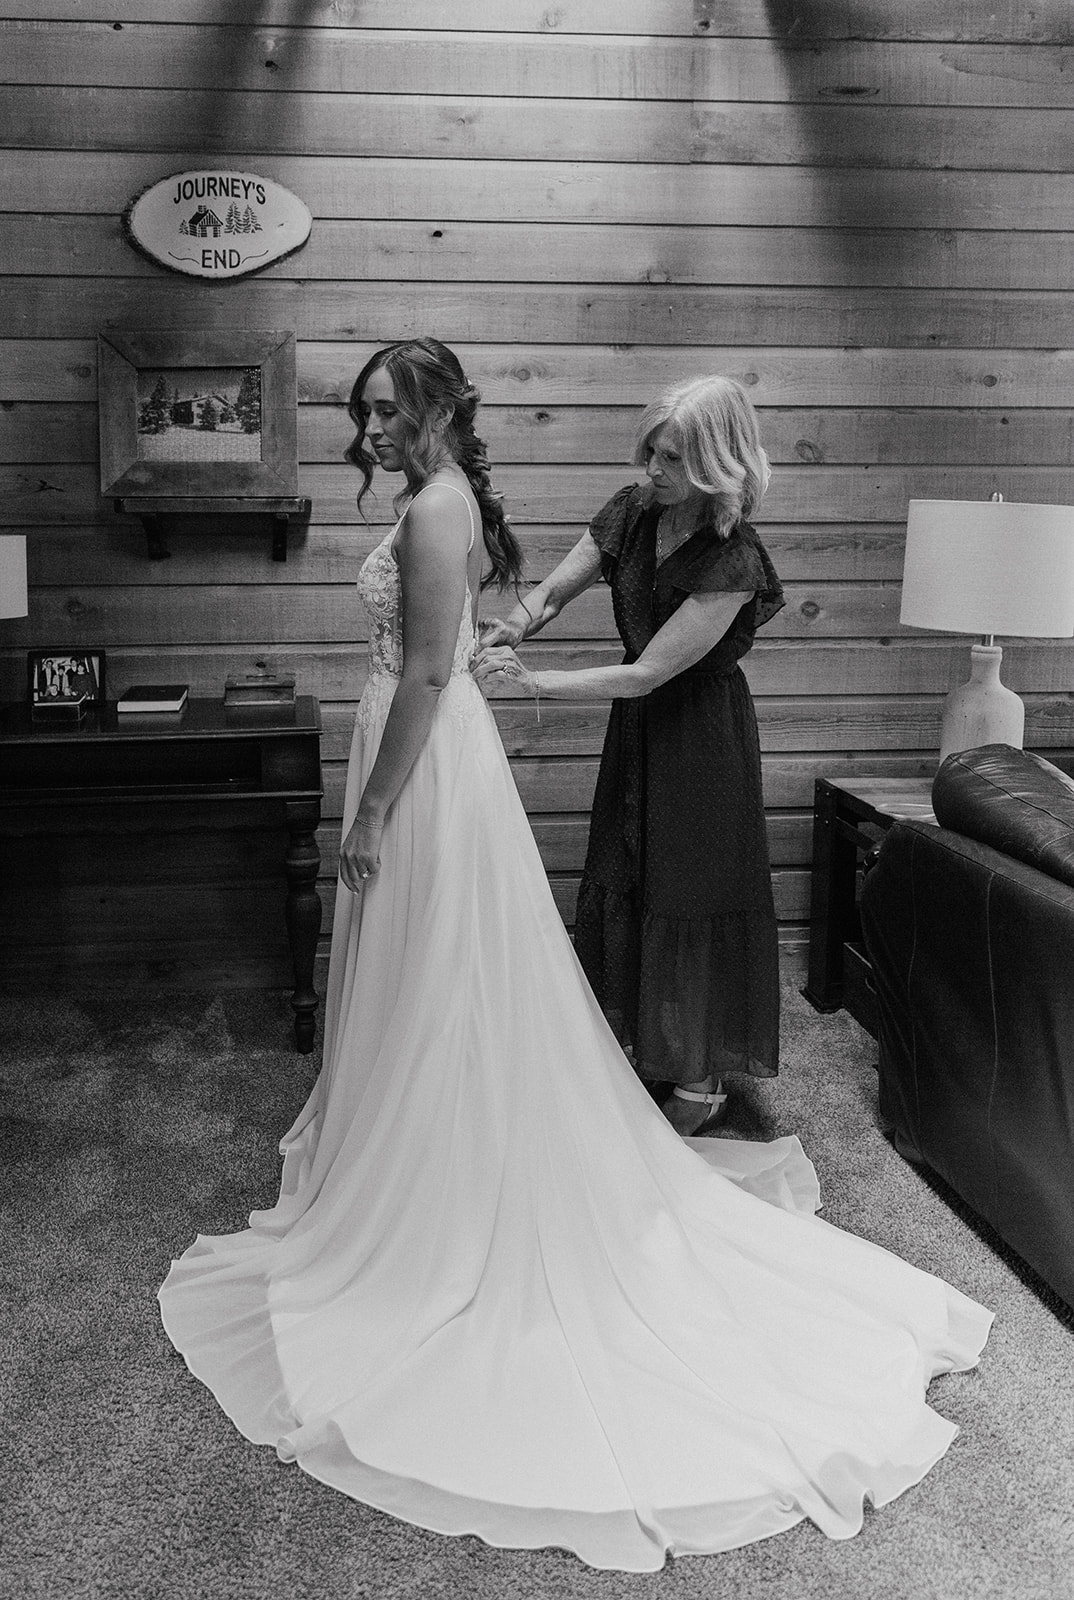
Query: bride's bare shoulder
<point x="433" y="539"/>
<point x="439" y="512"/>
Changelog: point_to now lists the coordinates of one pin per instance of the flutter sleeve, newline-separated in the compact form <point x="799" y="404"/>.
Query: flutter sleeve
<point x="738" y="562"/>
<point x="608" y="527"/>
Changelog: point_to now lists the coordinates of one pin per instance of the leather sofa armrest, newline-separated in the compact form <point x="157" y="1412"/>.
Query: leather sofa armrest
<point x="972" y="956"/>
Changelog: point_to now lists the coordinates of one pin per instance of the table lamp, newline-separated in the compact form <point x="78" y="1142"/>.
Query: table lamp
<point x="13" y="598"/>
<point x="988" y="567"/>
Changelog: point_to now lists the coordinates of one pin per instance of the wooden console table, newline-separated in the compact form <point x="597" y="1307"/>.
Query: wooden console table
<point x="205" y="756"/>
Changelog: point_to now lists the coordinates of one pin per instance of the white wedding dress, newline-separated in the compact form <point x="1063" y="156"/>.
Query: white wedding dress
<point x="498" y="1294"/>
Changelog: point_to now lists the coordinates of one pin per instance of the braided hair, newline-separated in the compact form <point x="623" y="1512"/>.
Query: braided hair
<point x="427" y="376"/>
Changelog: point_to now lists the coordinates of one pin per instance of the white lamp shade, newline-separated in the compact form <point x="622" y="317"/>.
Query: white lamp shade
<point x="13" y="598"/>
<point x="988" y="567"/>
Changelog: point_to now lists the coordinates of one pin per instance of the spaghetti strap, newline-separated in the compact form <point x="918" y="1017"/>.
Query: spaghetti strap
<point x="454" y="490"/>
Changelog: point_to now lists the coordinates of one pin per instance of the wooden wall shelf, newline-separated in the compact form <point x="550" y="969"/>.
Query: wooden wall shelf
<point x="279" y="511"/>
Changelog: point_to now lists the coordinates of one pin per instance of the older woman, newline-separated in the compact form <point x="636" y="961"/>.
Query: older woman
<point x="675" y="923"/>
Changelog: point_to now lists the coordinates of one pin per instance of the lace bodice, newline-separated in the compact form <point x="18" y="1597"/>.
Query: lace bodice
<point x="381" y="592"/>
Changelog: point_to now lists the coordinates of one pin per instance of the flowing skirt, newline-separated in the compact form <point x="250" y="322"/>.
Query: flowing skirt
<point x="497" y="1294"/>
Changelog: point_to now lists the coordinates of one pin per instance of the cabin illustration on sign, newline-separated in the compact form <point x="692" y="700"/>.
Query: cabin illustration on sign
<point x="202" y="223"/>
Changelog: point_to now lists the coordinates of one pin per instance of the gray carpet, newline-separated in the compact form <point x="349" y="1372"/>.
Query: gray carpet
<point x="130" y="1123"/>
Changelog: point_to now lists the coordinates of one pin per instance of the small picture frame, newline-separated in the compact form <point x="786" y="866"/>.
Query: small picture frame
<point x="63" y="684"/>
<point x="199" y="414"/>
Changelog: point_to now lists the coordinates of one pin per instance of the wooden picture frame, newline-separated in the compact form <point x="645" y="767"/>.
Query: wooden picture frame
<point x="198" y="415"/>
<point x="62" y="680"/>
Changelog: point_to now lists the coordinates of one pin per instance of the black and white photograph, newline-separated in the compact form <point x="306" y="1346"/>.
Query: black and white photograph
<point x="187" y="414"/>
<point x="538" y="1029"/>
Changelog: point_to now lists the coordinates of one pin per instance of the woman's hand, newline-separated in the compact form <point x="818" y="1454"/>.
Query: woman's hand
<point x="359" y="854"/>
<point x="493" y="630"/>
<point x="499" y="672"/>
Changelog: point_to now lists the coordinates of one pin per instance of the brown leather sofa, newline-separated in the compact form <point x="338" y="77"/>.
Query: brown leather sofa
<point x="969" y="928"/>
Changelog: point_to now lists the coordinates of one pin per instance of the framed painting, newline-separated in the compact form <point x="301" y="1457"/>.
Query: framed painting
<point x="198" y="414"/>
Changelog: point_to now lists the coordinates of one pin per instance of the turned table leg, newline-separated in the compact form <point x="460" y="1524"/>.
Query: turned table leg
<point x="302" y="862"/>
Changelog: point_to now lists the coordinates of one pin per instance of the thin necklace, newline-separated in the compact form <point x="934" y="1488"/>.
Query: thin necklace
<point x="668" y="526"/>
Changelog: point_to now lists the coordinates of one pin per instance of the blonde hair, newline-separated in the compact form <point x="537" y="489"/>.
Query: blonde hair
<point x="715" y="430"/>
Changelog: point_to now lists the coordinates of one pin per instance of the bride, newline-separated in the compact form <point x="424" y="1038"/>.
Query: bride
<point x="497" y="1293"/>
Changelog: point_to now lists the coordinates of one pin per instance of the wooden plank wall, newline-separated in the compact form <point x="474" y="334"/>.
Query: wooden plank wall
<point x="860" y="209"/>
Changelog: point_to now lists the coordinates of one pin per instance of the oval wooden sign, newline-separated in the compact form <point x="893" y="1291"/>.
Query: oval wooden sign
<point x="217" y="224"/>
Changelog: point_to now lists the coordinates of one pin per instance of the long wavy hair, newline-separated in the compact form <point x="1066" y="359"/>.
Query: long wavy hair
<point x="716" y="432"/>
<point x="429" y="381"/>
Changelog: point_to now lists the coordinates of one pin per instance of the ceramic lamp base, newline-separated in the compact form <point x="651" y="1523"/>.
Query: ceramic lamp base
<point x="983" y="710"/>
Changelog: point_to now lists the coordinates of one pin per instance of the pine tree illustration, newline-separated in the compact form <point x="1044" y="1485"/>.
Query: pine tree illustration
<point x="232" y="223"/>
<point x="250" y="223"/>
<point x="248" y="400"/>
<point x="154" y="413"/>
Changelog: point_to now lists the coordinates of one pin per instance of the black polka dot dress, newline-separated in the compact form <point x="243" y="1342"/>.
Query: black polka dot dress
<point x="675" y="924"/>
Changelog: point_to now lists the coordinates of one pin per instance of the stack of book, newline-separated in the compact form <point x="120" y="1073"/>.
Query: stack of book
<point x="152" y="698"/>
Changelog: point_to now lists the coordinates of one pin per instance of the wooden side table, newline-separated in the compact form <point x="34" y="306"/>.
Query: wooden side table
<point x="208" y="758"/>
<point x="850" y="817"/>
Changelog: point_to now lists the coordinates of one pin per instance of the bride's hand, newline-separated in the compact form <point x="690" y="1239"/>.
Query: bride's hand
<point x="359" y="854"/>
<point x="499" y="672"/>
<point x="493" y="630"/>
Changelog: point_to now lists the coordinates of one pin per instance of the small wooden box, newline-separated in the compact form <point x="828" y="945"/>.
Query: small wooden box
<point x="257" y="689"/>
